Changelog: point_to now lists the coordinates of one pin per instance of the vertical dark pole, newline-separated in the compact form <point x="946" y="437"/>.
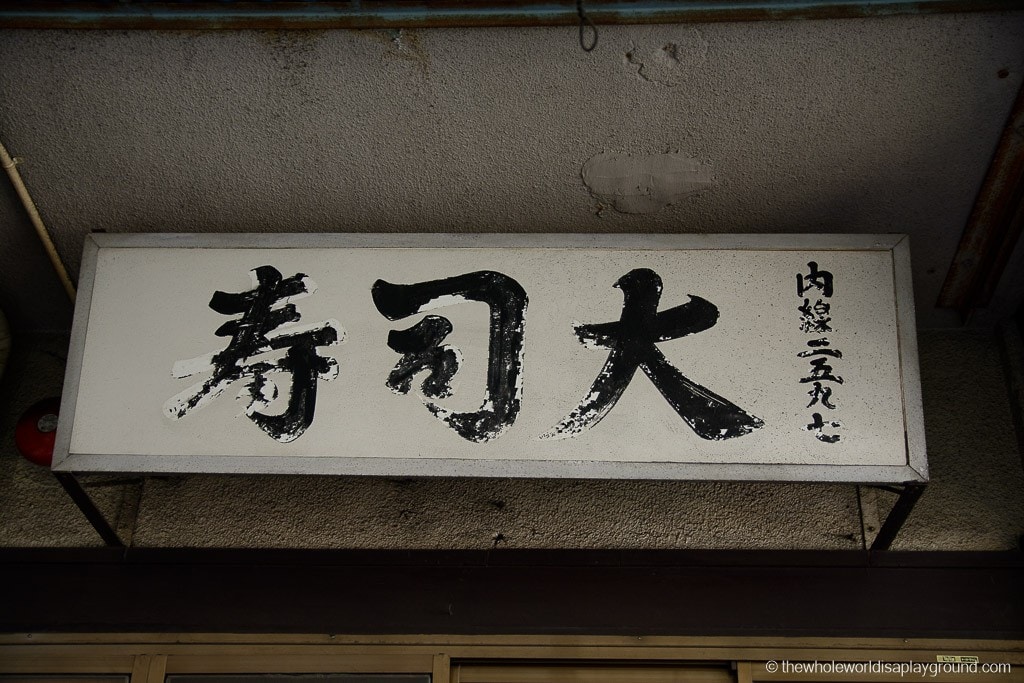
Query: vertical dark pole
<point x="89" y="509"/>
<point x="898" y="515"/>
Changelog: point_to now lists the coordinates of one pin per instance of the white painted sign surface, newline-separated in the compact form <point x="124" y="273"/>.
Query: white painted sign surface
<point x="752" y="364"/>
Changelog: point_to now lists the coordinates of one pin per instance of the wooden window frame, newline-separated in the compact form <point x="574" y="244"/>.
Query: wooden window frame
<point x="148" y="658"/>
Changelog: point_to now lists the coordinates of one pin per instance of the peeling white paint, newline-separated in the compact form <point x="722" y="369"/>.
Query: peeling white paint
<point x="644" y="183"/>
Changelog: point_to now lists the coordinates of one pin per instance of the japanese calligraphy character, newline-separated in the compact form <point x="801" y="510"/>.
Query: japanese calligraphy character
<point x="822" y="394"/>
<point x="815" y="317"/>
<point x="834" y="353"/>
<point x="422" y="350"/>
<point x="818" y="279"/>
<point x="821" y="371"/>
<point x="818" y="425"/>
<point x="251" y="335"/>
<point x="632" y="342"/>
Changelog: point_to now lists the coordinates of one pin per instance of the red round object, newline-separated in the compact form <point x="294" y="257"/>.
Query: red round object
<point x="36" y="431"/>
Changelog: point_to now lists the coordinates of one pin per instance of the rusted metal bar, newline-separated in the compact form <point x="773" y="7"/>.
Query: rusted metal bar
<point x="357" y="14"/>
<point x="994" y="226"/>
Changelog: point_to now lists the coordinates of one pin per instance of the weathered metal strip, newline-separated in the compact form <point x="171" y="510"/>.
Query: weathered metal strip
<point x="398" y="14"/>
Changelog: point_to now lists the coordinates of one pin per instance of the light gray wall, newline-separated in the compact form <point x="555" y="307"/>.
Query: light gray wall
<point x="875" y="125"/>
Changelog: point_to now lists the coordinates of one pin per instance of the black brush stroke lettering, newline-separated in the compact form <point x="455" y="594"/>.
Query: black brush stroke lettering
<point x="249" y="338"/>
<point x="632" y="341"/>
<point x="507" y="301"/>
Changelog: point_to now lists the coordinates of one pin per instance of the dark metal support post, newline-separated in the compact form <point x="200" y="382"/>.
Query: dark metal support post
<point x="898" y="515"/>
<point x="89" y="509"/>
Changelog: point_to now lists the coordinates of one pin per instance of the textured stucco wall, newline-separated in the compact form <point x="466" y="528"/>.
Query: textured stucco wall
<point x="875" y="125"/>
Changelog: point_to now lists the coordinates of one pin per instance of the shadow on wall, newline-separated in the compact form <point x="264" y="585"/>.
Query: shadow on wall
<point x="30" y="292"/>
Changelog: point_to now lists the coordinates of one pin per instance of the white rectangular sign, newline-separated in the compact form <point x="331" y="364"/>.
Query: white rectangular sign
<point x="784" y="357"/>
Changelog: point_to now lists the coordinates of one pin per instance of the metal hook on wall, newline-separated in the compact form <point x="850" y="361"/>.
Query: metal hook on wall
<point x="584" y="22"/>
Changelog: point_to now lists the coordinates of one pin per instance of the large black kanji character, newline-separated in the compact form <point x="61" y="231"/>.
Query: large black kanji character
<point x="251" y="336"/>
<point x="632" y="341"/>
<point x="421" y="349"/>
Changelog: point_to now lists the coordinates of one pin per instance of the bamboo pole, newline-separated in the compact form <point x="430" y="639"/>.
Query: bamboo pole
<point x="10" y="165"/>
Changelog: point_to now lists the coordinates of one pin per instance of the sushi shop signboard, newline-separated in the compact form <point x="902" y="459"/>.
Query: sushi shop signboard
<point x="785" y="357"/>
